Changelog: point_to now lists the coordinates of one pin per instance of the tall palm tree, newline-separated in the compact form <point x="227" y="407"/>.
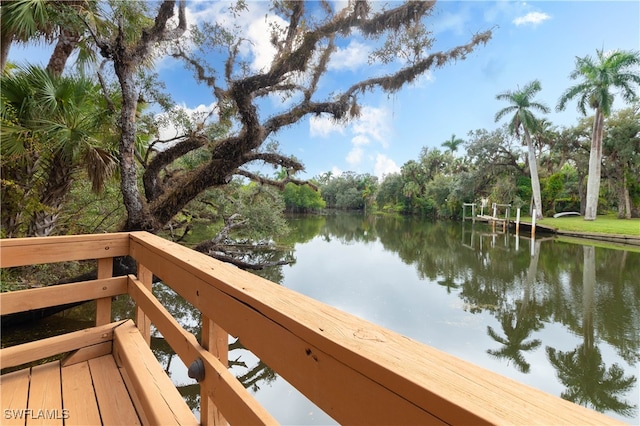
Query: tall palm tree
<point x="524" y="122"/>
<point x="599" y="77"/>
<point x="453" y="143"/>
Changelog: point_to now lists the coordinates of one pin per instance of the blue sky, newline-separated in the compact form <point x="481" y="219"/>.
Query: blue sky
<point x="531" y="40"/>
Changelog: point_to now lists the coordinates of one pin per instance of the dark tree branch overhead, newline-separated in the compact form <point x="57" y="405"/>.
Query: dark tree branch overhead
<point x="304" y="46"/>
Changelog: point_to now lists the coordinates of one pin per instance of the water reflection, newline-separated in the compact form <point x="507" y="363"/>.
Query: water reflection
<point x="532" y="298"/>
<point x="582" y="371"/>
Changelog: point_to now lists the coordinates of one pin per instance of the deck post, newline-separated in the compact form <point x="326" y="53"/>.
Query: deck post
<point x="216" y="340"/>
<point x="533" y="224"/>
<point x="142" y="321"/>
<point x="103" y="306"/>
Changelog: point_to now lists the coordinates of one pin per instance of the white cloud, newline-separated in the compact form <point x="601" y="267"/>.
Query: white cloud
<point x="352" y="57"/>
<point x="323" y="126"/>
<point x="336" y="171"/>
<point x="354" y="157"/>
<point x="532" y="18"/>
<point x="384" y="166"/>
<point x="360" y="140"/>
<point x="374" y="123"/>
<point x="259" y="34"/>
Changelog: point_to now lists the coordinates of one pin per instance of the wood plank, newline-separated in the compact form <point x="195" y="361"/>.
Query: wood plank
<point x="215" y="340"/>
<point x="103" y="305"/>
<point x="35" y="298"/>
<point x="33" y="351"/>
<point x="159" y="397"/>
<point x="113" y="398"/>
<point x="134" y="398"/>
<point x="45" y="400"/>
<point x="85" y="354"/>
<point x="14" y="389"/>
<point x="78" y="397"/>
<point x="142" y="321"/>
<point x="238" y="406"/>
<point x="31" y="251"/>
<point x="341" y="350"/>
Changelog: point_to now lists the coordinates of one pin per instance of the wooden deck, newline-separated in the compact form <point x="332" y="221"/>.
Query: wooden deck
<point x="115" y="382"/>
<point x="87" y="393"/>
<point x="356" y="371"/>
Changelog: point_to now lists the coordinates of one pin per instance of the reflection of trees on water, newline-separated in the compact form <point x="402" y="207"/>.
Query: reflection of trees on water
<point x="251" y="377"/>
<point x="582" y="371"/>
<point x="517" y="327"/>
<point x="524" y="292"/>
<point x="519" y="323"/>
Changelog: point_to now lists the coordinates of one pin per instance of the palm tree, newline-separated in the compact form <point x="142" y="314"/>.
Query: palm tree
<point x="524" y="121"/>
<point x="599" y="77"/>
<point x="48" y="20"/>
<point x="453" y="143"/>
<point x="52" y="126"/>
<point x="22" y="20"/>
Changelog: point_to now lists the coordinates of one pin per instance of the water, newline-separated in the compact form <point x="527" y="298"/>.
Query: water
<point x="562" y="317"/>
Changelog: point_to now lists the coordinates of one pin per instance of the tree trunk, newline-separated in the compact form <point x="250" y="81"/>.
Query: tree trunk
<point x="138" y="218"/>
<point x="4" y="50"/>
<point x="535" y="180"/>
<point x="67" y="41"/>
<point x="59" y="180"/>
<point x="595" y="165"/>
<point x="624" y="200"/>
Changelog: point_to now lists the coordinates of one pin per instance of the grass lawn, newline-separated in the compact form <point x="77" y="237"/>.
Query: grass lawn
<point x="605" y="224"/>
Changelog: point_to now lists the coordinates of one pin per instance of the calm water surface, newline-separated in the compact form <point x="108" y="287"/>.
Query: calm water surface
<point x="561" y="317"/>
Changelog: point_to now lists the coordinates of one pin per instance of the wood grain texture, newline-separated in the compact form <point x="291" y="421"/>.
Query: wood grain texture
<point x="33" y="351"/>
<point x="31" y="251"/>
<point x="113" y="398"/>
<point x="161" y="401"/>
<point x="14" y="390"/>
<point x="78" y="396"/>
<point x="236" y="403"/>
<point x="45" y="399"/>
<point x="36" y="298"/>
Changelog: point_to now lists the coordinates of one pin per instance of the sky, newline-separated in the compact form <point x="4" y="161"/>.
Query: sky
<point x="531" y="40"/>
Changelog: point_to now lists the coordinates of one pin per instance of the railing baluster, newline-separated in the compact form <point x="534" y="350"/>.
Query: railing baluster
<point x="216" y="340"/>
<point x="103" y="305"/>
<point x="142" y="321"/>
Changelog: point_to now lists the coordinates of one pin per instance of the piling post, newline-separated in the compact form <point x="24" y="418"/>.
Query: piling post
<point x="533" y="224"/>
<point x="473" y="212"/>
<point x="517" y="220"/>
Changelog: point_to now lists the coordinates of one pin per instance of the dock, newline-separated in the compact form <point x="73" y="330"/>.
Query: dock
<point x="356" y="371"/>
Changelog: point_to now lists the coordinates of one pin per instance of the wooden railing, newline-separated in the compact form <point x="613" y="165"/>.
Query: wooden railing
<point x="357" y="372"/>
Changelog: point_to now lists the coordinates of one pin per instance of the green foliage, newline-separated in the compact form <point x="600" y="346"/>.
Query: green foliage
<point x="349" y="191"/>
<point x="552" y="187"/>
<point x="302" y="198"/>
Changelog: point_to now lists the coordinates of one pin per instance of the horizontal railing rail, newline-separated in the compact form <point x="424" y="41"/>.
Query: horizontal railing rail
<point x="356" y="371"/>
